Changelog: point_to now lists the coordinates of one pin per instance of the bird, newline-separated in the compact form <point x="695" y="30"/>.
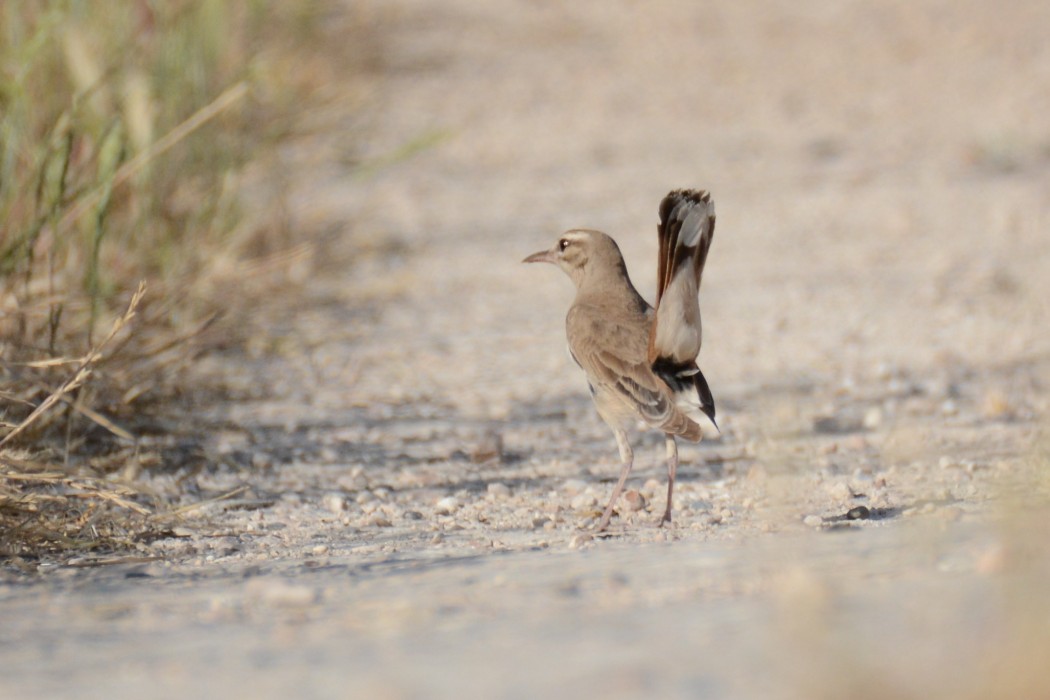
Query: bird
<point x="640" y="360"/>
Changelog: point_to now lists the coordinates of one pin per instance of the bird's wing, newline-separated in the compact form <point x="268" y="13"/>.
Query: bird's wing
<point x="613" y="356"/>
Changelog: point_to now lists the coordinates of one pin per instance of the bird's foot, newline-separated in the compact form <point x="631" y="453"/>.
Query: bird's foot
<point x="665" y="519"/>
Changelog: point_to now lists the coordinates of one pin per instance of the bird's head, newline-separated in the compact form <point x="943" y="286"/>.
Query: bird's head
<point x="583" y="254"/>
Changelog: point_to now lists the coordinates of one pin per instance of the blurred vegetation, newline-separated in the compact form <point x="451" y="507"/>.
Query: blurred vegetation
<point x="127" y="130"/>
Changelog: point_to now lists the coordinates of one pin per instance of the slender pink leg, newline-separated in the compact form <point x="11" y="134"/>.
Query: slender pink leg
<point x="627" y="457"/>
<point x="672" y="467"/>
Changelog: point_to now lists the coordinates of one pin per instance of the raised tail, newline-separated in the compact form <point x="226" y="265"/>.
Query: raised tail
<point x="687" y="225"/>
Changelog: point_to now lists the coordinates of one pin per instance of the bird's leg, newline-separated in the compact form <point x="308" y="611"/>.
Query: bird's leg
<point x="672" y="467"/>
<point x="627" y="458"/>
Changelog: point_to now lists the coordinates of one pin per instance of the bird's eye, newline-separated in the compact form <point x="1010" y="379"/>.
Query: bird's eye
<point x="563" y="244"/>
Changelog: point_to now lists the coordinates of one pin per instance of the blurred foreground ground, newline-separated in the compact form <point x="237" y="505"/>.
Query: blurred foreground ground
<point x="414" y="490"/>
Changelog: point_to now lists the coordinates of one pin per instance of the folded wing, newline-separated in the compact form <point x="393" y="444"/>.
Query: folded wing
<point x="613" y="356"/>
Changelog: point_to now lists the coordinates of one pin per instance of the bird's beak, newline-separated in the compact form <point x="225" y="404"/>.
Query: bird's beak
<point x="542" y="256"/>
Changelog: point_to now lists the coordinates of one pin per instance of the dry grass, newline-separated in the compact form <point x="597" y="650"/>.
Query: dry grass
<point x="126" y="132"/>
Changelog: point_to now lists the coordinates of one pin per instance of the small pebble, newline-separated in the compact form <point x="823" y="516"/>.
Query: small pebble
<point x="378" y="520"/>
<point x="813" y="521"/>
<point x="584" y="501"/>
<point x="574" y="486"/>
<point x="490" y="447"/>
<point x="840" y="491"/>
<point x="353" y="481"/>
<point x="831" y="425"/>
<point x="884" y="371"/>
<point x="319" y="549"/>
<point x="879" y="500"/>
<point x="697" y="505"/>
<point x="858" y="513"/>
<point x="334" y="502"/>
<point x="872" y="418"/>
<point x="498" y="490"/>
<point x="446" y="506"/>
<point x="412" y="515"/>
<point x="580" y="540"/>
<point x="635" y="500"/>
<point x="856" y="443"/>
<point x="996" y="404"/>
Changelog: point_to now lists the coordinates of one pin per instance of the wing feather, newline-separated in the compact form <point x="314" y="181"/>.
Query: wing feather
<point x="614" y="359"/>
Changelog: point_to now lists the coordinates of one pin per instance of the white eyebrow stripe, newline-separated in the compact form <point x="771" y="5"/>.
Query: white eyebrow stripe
<point x="575" y="235"/>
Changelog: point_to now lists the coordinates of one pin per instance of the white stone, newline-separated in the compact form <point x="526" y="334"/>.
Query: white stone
<point x="583" y="501"/>
<point x="334" y="502"/>
<point x="446" y="506"/>
<point x="498" y="490"/>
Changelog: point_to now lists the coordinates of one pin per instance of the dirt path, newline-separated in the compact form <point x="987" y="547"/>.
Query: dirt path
<point x="419" y="484"/>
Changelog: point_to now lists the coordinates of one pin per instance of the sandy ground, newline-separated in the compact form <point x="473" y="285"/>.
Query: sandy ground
<point x="412" y="496"/>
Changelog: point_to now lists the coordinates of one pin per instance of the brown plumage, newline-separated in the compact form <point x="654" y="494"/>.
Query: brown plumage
<point x="640" y="362"/>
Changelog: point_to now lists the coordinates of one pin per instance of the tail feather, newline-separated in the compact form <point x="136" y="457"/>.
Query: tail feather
<point x="687" y="226"/>
<point x="692" y="395"/>
<point x="687" y="223"/>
